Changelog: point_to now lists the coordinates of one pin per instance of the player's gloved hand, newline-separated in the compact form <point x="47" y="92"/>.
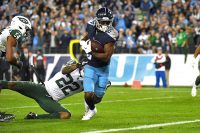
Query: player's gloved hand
<point x="193" y="61"/>
<point x="86" y="46"/>
<point x="89" y="56"/>
<point x="19" y="64"/>
<point x="83" y="61"/>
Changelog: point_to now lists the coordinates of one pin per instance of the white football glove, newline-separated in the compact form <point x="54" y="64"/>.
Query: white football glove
<point x="89" y="56"/>
<point x="86" y="46"/>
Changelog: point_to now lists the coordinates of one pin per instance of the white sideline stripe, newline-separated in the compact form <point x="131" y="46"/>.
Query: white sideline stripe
<point x="144" y="126"/>
<point x="128" y="100"/>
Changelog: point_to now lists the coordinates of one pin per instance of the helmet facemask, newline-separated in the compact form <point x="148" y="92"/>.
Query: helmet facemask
<point x="27" y="35"/>
<point x="103" y="25"/>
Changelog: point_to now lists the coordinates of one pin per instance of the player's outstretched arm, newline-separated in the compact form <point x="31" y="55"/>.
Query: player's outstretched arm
<point x="108" y="51"/>
<point x="69" y="68"/>
<point x="11" y="43"/>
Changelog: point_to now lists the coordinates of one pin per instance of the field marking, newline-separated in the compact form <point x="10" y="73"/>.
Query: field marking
<point x="128" y="100"/>
<point x="144" y="126"/>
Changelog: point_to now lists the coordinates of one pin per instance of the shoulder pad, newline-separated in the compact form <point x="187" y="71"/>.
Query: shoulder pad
<point x="92" y="22"/>
<point x="112" y="32"/>
<point x="16" y="34"/>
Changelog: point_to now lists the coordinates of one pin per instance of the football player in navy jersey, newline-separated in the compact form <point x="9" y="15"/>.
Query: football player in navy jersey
<point x="96" y="71"/>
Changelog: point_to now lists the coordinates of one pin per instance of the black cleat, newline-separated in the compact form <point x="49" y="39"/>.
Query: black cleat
<point x="6" y="117"/>
<point x="31" y="115"/>
<point x="108" y="85"/>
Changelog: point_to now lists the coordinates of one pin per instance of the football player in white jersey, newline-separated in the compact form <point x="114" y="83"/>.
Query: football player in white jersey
<point x="65" y="83"/>
<point x="12" y="36"/>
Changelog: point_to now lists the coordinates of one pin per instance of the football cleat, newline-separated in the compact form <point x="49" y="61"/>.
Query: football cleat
<point x="108" y="85"/>
<point x="89" y="114"/>
<point x="6" y="117"/>
<point x="31" y="115"/>
<point x="194" y="91"/>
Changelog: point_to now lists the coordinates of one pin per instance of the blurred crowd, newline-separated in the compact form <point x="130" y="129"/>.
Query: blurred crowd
<point x="143" y="25"/>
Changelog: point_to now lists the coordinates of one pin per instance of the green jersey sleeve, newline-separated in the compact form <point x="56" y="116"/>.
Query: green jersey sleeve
<point x="17" y="35"/>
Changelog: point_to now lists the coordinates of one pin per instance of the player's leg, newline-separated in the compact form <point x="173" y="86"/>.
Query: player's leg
<point x="40" y="95"/>
<point x="97" y="98"/>
<point x="194" y="88"/>
<point x="89" y="84"/>
<point x="26" y="88"/>
<point x="55" y="110"/>
<point x="90" y="79"/>
<point x="100" y="87"/>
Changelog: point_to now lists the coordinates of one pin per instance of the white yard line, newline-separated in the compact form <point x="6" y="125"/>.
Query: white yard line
<point x="114" y="101"/>
<point x="144" y="126"/>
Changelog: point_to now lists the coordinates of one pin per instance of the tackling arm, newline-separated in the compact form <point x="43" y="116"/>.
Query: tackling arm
<point x="69" y="68"/>
<point x="108" y="51"/>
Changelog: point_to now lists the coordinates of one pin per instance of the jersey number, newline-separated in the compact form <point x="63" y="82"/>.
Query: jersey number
<point x="67" y="85"/>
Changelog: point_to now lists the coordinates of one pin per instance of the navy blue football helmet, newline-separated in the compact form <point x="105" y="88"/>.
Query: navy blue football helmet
<point x="104" y="19"/>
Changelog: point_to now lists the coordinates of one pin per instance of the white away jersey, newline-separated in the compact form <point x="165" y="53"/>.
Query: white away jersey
<point x="61" y="86"/>
<point x="4" y="35"/>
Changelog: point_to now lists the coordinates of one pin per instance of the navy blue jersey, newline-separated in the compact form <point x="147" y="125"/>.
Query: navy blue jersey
<point x="110" y="36"/>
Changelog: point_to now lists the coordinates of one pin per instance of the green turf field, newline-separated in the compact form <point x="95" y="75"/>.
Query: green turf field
<point x="121" y="108"/>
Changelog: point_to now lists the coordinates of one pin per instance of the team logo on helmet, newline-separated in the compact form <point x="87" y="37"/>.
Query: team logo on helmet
<point x="23" y="20"/>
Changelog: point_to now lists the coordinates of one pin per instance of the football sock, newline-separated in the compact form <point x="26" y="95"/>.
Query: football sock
<point x="97" y="99"/>
<point x="48" y="116"/>
<point x="90" y="102"/>
<point x="197" y="81"/>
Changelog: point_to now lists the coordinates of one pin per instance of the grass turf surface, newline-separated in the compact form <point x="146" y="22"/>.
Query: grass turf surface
<point x="120" y="108"/>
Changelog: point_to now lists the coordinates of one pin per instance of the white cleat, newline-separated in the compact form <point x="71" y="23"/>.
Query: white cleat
<point x="194" y="91"/>
<point x="89" y="114"/>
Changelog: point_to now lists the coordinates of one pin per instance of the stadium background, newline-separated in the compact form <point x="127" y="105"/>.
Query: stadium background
<point x="148" y="110"/>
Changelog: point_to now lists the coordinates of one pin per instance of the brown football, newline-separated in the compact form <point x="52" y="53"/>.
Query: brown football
<point x="97" y="46"/>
